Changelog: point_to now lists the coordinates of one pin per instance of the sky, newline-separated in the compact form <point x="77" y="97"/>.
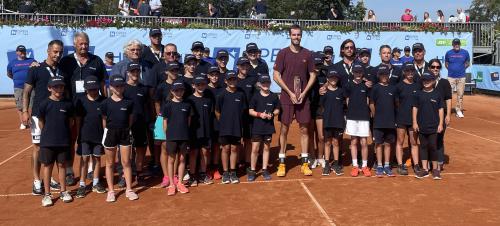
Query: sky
<point x="391" y="10"/>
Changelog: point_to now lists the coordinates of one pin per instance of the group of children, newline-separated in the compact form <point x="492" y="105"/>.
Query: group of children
<point x="201" y="115"/>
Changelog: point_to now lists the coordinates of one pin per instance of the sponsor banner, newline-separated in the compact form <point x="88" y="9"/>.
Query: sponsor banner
<point x="486" y="77"/>
<point x="103" y="40"/>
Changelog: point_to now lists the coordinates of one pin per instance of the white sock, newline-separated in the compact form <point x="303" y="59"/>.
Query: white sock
<point x="38" y="184"/>
<point x="304" y="155"/>
<point x="95" y="181"/>
<point x="82" y="183"/>
<point x="53" y="181"/>
<point x="281" y="156"/>
<point x="365" y="163"/>
<point x="355" y="162"/>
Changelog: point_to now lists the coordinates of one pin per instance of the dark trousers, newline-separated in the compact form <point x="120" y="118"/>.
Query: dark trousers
<point x="440" y="145"/>
<point x="428" y="146"/>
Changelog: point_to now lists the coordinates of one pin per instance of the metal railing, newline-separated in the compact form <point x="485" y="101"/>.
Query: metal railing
<point x="483" y="32"/>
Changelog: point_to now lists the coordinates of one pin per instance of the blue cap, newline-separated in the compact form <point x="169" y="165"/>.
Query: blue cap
<point x="197" y="45"/>
<point x="178" y="84"/>
<point x="427" y="76"/>
<point x="116" y="80"/>
<point x="222" y="53"/>
<point x="189" y="57"/>
<point x="56" y="80"/>
<point x="133" y="66"/>
<point x="200" y="78"/>
<point x="231" y="74"/>
<point x="383" y="70"/>
<point x="264" y="78"/>
<point x="328" y="49"/>
<point x="242" y="60"/>
<point x="358" y="68"/>
<point x="333" y="73"/>
<point x="407" y="49"/>
<point x="172" y="66"/>
<point x="251" y="47"/>
<point x="213" y="69"/>
<point x="364" y="50"/>
<point x="408" y="66"/>
<point x="318" y="58"/>
<point x="91" y="82"/>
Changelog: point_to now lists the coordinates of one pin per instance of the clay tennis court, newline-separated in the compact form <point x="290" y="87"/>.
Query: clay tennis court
<point x="466" y="195"/>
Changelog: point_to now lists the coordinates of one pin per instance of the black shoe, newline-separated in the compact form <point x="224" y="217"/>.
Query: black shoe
<point x="422" y="174"/>
<point x="339" y="170"/>
<point x="37" y="191"/>
<point x="234" y="178"/>
<point x="266" y="175"/>
<point x="192" y="182"/>
<point x="81" y="192"/>
<point x="436" y="174"/>
<point x="226" y="178"/>
<point x="251" y="175"/>
<point x="98" y="188"/>
<point x="326" y="170"/>
<point x="70" y="179"/>
<point x="417" y="169"/>
<point x="402" y="170"/>
<point x="122" y="183"/>
<point x="54" y="186"/>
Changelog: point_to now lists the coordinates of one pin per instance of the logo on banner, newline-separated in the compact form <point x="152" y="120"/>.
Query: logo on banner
<point x="234" y="54"/>
<point x="448" y="42"/>
<point x="15" y="32"/>
<point x="373" y="37"/>
<point x="11" y="55"/>
<point x="208" y="35"/>
<point x="119" y="34"/>
<point x="494" y="77"/>
<point x="411" y="37"/>
<point x="252" y="36"/>
<point x="331" y="37"/>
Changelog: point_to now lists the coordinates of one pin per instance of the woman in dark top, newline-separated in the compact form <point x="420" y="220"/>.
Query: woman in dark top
<point x="444" y="87"/>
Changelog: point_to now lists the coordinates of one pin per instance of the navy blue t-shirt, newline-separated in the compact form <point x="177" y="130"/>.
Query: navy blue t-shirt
<point x="231" y="107"/>
<point x="162" y="93"/>
<point x="428" y="105"/>
<point x="263" y="104"/>
<point x="444" y="88"/>
<point x="212" y="93"/>
<point x="76" y="72"/>
<point x="404" y="94"/>
<point x="38" y="78"/>
<point x="332" y="104"/>
<point x="117" y="113"/>
<point x="56" y="115"/>
<point x="384" y="99"/>
<point x="320" y="81"/>
<point x="91" y="119"/>
<point x="456" y="62"/>
<point x="139" y="95"/>
<point x="247" y="85"/>
<point x="177" y="115"/>
<point x="344" y="70"/>
<point x="261" y="68"/>
<point x="203" y="115"/>
<point x="395" y="75"/>
<point x="357" y="107"/>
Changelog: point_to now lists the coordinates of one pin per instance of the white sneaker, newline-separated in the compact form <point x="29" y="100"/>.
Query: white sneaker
<point x="22" y="126"/>
<point x="322" y="162"/>
<point x="66" y="197"/>
<point x="47" y="200"/>
<point x="314" y="164"/>
<point x="460" y="114"/>
<point x="186" y="177"/>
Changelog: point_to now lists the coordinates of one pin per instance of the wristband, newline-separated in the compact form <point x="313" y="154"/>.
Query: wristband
<point x="258" y="114"/>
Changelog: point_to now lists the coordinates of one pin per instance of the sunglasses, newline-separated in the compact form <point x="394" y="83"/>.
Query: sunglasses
<point x="435" y="67"/>
<point x="348" y="47"/>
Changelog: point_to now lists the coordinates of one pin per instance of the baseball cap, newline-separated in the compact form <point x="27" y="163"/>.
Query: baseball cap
<point x="408" y="66"/>
<point x="364" y="50"/>
<point x="213" y="69"/>
<point x="200" y="78"/>
<point x="456" y="41"/>
<point x="418" y="45"/>
<point x="189" y="57"/>
<point x="407" y="49"/>
<point x="358" y="68"/>
<point x="396" y="50"/>
<point x="427" y="76"/>
<point x="90" y="82"/>
<point x="242" y="60"/>
<point x="231" y="74"/>
<point x="21" y="48"/>
<point x="116" y="80"/>
<point x="251" y="47"/>
<point x="178" y="84"/>
<point x="154" y="31"/>
<point x="222" y="53"/>
<point x="109" y="55"/>
<point x="328" y="49"/>
<point x="56" y="80"/>
<point x="333" y="73"/>
<point x="133" y="66"/>
<point x="318" y="58"/>
<point x="197" y="45"/>
<point x="172" y="66"/>
<point x="264" y="78"/>
<point x="206" y="50"/>
<point x="407" y="10"/>
<point x="383" y="70"/>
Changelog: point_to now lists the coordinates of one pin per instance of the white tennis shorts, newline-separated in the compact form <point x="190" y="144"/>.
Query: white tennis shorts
<point x="357" y="128"/>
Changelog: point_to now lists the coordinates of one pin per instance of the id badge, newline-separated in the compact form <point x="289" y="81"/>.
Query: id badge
<point x="79" y="86"/>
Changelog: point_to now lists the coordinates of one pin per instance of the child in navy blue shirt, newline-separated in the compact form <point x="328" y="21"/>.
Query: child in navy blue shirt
<point x="428" y="118"/>
<point x="176" y="119"/>
<point x="263" y="107"/>
<point x="316" y="111"/>
<point x="332" y="108"/>
<point x="116" y="121"/>
<point x="230" y="106"/>
<point x="214" y="88"/>
<point x="55" y="118"/>
<point x="201" y="130"/>
<point x="89" y="123"/>
<point x="383" y="108"/>
<point x="358" y="119"/>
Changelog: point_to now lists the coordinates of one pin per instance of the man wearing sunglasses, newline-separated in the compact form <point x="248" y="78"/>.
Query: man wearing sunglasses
<point x="456" y="61"/>
<point x="344" y="66"/>
<point x="170" y="55"/>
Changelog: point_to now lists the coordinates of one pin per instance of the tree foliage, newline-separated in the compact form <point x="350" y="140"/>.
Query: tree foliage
<point x="485" y="11"/>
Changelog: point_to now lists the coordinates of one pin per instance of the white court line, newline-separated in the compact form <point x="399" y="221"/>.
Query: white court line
<point x="10" y="130"/>
<point x="282" y="181"/>
<point x="474" y="135"/>
<point x="498" y="123"/>
<point x="11" y="157"/>
<point x="320" y="208"/>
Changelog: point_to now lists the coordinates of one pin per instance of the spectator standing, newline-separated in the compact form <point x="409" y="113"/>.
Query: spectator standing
<point x="452" y="19"/>
<point x="261" y="9"/>
<point x="213" y="11"/>
<point x="407" y="17"/>
<point x="26" y="7"/>
<point x="17" y="70"/>
<point x="456" y="61"/>
<point x="461" y="16"/>
<point x="427" y="18"/>
<point x="370" y="16"/>
<point x="155" y="7"/>
<point x="124" y="7"/>
<point x="144" y="8"/>
<point x="440" y="18"/>
<point x="334" y="14"/>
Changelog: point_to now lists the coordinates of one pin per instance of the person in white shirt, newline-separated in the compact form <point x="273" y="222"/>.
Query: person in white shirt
<point x="452" y="19"/>
<point x="461" y="16"/>
<point x="370" y="16"/>
<point x="124" y="7"/>
<point x="427" y="17"/>
<point x="155" y="7"/>
<point x="440" y="18"/>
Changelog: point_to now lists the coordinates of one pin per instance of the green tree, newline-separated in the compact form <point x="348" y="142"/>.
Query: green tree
<point x="485" y="10"/>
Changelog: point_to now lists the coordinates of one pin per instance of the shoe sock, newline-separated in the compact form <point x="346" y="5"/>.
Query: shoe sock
<point x="355" y="162"/>
<point x="95" y="181"/>
<point x="282" y="158"/>
<point x="386" y="164"/>
<point x="365" y="163"/>
<point x="304" y="157"/>
<point x="82" y="183"/>
<point x="38" y="184"/>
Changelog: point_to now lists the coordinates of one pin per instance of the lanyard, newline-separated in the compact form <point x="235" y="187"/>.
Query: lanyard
<point x="79" y="64"/>
<point x="52" y="73"/>
<point x="157" y="56"/>
<point x="348" y="69"/>
<point x="420" y="71"/>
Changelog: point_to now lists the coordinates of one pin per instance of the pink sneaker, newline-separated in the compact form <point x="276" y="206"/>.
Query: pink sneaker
<point x="182" y="189"/>
<point x="111" y="196"/>
<point x="171" y="190"/>
<point x="131" y="195"/>
<point x="165" y="182"/>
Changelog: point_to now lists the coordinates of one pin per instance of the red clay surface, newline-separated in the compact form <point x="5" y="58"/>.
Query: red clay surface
<point x="465" y="196"/>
